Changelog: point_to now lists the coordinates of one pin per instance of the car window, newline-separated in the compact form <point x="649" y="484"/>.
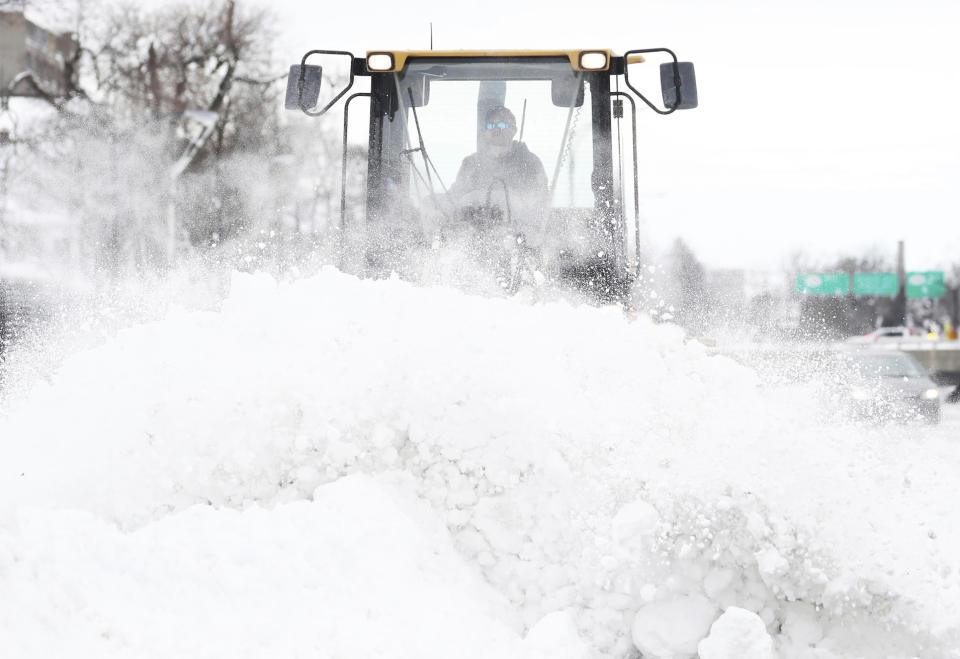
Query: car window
<point x="887" y="365"/>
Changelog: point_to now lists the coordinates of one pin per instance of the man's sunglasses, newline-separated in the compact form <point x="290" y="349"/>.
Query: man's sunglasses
<point x="502" y="125"/>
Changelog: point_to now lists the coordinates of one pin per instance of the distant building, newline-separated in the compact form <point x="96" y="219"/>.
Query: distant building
<point x="727" y="286"/>
<point x="752" y="297"/>
<point x="726" y="290"/>
<point x="25" y="47"/>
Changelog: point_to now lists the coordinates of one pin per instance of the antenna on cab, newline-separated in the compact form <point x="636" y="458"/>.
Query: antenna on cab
<point x="523" y="120"/>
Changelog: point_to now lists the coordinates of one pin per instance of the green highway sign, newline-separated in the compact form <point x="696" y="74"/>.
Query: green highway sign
<point x="875" y="283"/>
<point x="925" y="284"/>
<point x="823" y="283"/>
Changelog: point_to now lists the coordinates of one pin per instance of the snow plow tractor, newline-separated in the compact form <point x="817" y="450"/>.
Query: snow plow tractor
<point x="496" y="170"/>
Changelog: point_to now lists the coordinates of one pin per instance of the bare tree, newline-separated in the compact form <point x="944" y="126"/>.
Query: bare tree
<point x="183" y="57"/>
<point x="691" y="297"/>
<point x="122" y="158"/>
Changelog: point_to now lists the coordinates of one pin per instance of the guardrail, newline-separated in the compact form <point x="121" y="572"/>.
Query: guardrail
<point x="940" y="356"/>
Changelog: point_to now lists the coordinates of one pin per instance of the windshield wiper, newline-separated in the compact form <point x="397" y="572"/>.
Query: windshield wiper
<point x="427" y="161"/>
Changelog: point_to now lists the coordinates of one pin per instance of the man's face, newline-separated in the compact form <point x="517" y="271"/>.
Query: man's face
<point x="499" y="130"/>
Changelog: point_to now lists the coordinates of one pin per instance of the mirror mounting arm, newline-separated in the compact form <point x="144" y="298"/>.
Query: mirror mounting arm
<point x="636" y="176"/>
<point x="301" y="80"/>
<point x="676" y="78"/>
<point x="343" y="166"/>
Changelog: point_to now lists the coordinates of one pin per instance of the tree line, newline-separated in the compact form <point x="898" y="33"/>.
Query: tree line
<point x="167" y="141"/>
<point x="689" y="294"/>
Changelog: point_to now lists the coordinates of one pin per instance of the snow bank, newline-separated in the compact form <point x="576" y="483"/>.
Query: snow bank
<point x="599" y="480"/>
<point x="206" y="573"/>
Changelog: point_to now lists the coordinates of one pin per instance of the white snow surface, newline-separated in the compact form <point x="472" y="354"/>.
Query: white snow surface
<point x="336" y="467"/>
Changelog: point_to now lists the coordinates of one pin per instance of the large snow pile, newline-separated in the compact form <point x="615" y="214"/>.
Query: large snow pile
<point x="336" y="467"/>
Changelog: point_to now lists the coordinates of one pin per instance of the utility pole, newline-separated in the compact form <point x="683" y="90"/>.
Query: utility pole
<point x="900" y="303"/>
<point x="7" y="144"/>
<point x="4" y="167"/>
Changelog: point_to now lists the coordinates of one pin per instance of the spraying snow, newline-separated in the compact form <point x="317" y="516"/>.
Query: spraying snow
<point x="338" y="467"/>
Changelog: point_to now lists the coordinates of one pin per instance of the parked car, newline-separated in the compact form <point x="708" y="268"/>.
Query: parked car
<point x="954" y="396"/>
<point x="887" y="334"/>
<point x="884" y="385"/>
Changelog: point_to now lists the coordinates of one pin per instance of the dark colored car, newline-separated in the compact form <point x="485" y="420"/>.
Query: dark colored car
<point x="885" y="385"/>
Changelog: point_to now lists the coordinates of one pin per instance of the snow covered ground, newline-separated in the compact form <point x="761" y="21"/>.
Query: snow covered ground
<point x="345" y="468"/>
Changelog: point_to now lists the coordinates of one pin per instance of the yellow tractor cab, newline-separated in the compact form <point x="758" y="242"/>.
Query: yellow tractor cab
<point x="511" y="163"/>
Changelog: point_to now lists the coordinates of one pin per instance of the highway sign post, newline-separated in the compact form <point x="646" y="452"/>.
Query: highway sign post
<point x="925" y="284"/>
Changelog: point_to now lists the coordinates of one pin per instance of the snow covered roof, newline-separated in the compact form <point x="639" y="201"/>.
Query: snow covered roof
<point x="23" y="115"/>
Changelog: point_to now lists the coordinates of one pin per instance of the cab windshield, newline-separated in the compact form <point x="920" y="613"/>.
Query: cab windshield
<point x="437" y="135"/>
<point x="549" y="100"/>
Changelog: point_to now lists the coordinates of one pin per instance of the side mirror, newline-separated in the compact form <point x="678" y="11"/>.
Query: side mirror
<point x="679" y="85"/>
<point x="567" y="92"/>
<point x="303" y="87"/>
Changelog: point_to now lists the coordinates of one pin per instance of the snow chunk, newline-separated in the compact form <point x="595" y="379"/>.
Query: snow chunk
<point x="800" y="624"/>
<point x="672" y="628"/>
<point x="771" y="563"/>
<point x="717" y="581"/>
<point x="635" y="522"/>
<point x="555" y="636"/>
<point x="737" y="634"/>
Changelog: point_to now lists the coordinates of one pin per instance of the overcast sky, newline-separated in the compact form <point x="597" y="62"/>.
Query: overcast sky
<point x="826" y="127"/>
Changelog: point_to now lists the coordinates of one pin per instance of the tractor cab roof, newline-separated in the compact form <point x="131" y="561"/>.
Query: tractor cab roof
<point x="391" y="61"/>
